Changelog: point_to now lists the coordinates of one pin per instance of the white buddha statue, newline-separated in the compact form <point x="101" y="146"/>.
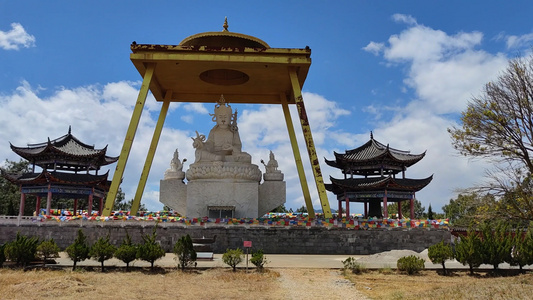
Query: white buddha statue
<point x="176" y="167"/>
<point x="223" y="142"/>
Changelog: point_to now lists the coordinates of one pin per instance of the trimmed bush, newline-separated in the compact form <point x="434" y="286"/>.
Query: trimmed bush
<point x="440" y="253"/>
<point x="258" y="259"/>
<point x="469" y="250"/>
<point x="411" y="264"/>
<point x="127" y="251"/>
<point x="22" y="250"/>
<point x="185" y="252"/>
<point x="150" y="250"/>
<point x="79" y="250"/>
<point x="47" y="249"/>
<point x="233" y="257"/>
<point x="102" y="250"/>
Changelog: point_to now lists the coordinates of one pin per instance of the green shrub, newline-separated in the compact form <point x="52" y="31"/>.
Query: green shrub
<point x="185" y="252"/>
<point x="127" y="251"/>
<point x="440" y="253"/>
<point x="258" y="259"/>
<point x="351" y="264"/>
<point x="411" y="264"/>
<point x="102" y="250"/>
<point x="2" y="254"/>
<point x="149" y="250"/>
<point x="469" y="250"/>
<point x="233" y="257"/>
<point x="522" y="248"/>
<point x="22" y="250"/>
<point x="496" y="243"/>
<point x="47" y="249"/>
<point x="79" y="250"/>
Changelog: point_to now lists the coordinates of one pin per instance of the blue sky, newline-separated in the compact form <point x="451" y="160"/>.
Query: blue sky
<point x="402" y="69"/>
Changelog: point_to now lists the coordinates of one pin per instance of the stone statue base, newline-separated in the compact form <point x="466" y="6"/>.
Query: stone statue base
<point x="173" y="193"/>
<point x="242" y="197"/>
<point x="271" y="195"/>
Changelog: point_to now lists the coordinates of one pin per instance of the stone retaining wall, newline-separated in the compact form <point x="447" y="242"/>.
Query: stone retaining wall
<point x="274" y="240"/>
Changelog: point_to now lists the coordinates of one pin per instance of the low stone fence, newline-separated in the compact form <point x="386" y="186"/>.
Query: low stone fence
<point x="284" y="239"/>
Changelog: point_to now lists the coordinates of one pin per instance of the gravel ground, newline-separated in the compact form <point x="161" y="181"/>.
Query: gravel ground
<point x="322" y="284"/>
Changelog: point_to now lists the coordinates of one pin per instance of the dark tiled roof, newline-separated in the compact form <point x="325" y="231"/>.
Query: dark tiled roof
<point x="67" y="152"/>
<point x="374" y="154"/>
<point x="46" y="177"/>
<point x="338" y="186"/>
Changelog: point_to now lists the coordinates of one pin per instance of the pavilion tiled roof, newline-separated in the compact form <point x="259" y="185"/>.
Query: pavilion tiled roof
<point x="46" y="177"/>
<point x="66" y="152"/>
<point x="389" y="183"/>
<point x="374" y="155"/>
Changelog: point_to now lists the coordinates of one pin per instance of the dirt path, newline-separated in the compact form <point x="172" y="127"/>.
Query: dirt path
<point x="316" y="284"/>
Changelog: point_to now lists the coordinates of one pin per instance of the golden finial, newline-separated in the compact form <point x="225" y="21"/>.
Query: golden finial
<point x="225" y="24"/>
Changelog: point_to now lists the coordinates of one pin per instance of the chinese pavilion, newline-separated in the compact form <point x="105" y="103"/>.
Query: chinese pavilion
<point x="379" y="166"/>
<point x="66" y="165"/>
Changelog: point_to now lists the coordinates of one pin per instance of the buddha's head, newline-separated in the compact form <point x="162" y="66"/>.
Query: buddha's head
<point x="223" y="113"/>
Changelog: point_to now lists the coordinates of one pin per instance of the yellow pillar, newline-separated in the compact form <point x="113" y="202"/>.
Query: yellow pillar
<point x="149" y="158"/>
<point x="297" y="157"/>
<point x="128" y="140"/>
<point x="296" y="89"/>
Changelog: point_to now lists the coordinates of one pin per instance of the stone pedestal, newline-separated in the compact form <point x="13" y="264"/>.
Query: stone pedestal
<point x="271" y="195"/>
<point x="201" y="194"/>
<point x="173" y="193"/>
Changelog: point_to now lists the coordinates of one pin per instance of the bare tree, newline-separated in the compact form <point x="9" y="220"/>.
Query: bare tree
<point x="498" y="125"/>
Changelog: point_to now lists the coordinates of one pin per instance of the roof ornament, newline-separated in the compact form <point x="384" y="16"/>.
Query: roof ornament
<point x="225" y="24"/>
<point x="371" y="135"/>
<point x="69" y="129"/>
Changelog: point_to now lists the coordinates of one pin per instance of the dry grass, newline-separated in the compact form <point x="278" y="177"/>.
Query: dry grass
<point x="222" y="283"/>
<point x="63" y="284"/>
<point x="430" y="285"/>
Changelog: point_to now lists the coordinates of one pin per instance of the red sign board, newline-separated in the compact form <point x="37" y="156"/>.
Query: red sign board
<point x="247" y="244"/>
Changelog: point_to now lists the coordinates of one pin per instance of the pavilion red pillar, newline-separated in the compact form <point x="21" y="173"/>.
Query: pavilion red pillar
<point x="413" y="206"/>
<point x="400" y="209"/>
<point x="347" y="207"/>
<point x="340" y="207"/>
<point x="385" y="211"/>
<point x="101" y="206"/>
<point x="22" y="202"/>
<point x="49" y="201"/>
<point x="90" y="208"/>
<point x="76" y="206"/>
<point x="366" y="209"/>
<point x="38" y="206"/>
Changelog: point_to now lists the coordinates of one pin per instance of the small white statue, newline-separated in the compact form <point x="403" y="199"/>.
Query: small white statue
<point x="272" y="172"/>
<point x="223" y="142"/>
<point x="176" y="167"/>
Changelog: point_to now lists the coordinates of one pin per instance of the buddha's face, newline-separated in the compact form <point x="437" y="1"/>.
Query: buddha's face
<point x="223" y="119"/>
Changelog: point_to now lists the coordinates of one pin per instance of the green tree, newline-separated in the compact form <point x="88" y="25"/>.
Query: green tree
<point x="150" y="250"/>
<point x="127" y="251"/>
<point x="430" y="213"/>
<point x="496" y="243"/>
<point x="47" y="249"/>
<point x="2" y="255"/>
<point x="22" y="250"/>
<point x="440" y="253"/>
<point x="79" y="250"/>
<point x="280" y="209"/>
<point x="522" y="248"/>
<point x="258" y="259"/>
<point x="469" y="250"/>
<point x="233" y="257"/>
<point x="497" y="126"/>
<point x="419" y="210"/>
<point x="302" y="209"/>
<point x="102" y="250"/>
<point x="185" y="252"/>
<point x="122" y="204"/>
<point x="10" y="193"/>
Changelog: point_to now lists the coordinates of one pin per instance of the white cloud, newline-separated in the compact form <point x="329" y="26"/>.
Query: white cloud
<point x="374" y="48"/>
<point x="401" y="18"/>
<point x="523" y="41"/>
<point x="15" y="38"/>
